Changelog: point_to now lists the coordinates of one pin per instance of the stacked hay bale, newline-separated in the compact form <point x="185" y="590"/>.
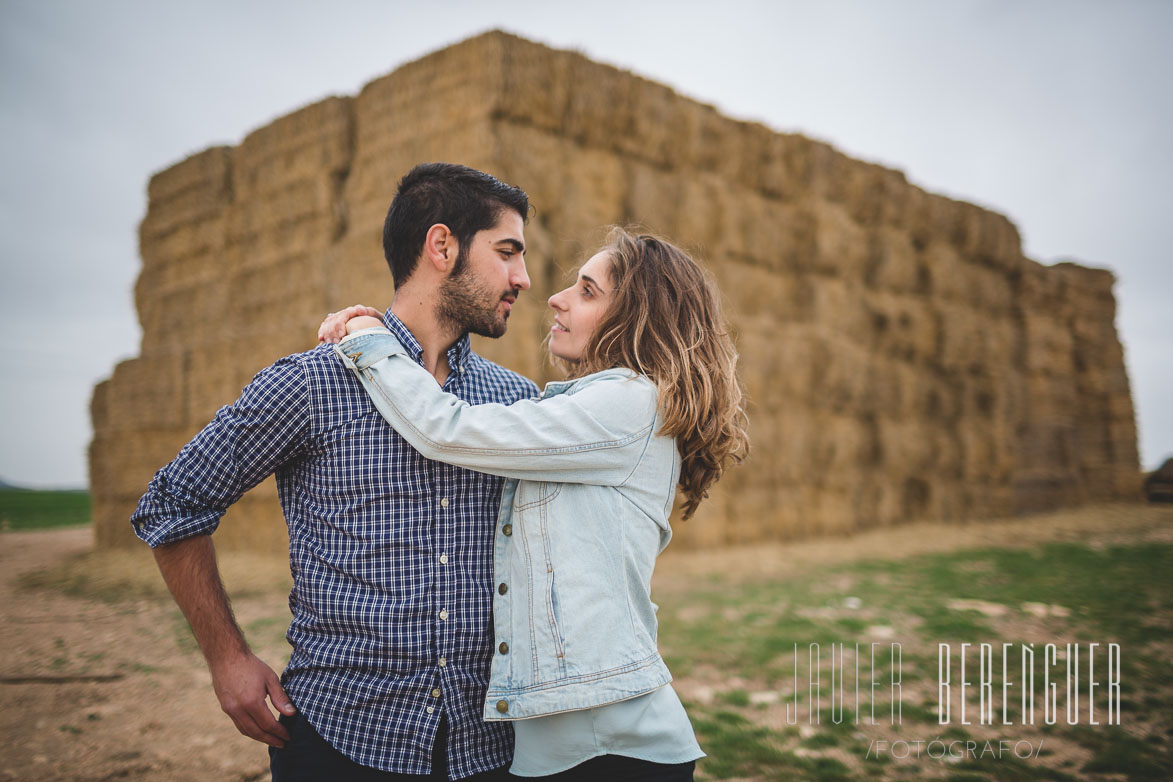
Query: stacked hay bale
<point x="903" y="359"/>
<point x="1158" y="485"/>
<point x="236" y="248"/>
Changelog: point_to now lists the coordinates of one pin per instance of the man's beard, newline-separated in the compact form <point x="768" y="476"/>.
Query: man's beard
<point x="471" y="306"/>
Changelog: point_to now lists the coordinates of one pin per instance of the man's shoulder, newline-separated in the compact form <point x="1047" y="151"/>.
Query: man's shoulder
<point x="307" y="370"/>
<point x="332" y="392"/>
<point x="510" y="386"/>
<point x="318" y="360"/>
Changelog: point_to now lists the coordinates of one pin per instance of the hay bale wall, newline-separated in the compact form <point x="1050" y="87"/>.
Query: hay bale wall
<point x="904" y="359"/>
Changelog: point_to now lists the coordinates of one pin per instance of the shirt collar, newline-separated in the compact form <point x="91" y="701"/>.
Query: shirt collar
<point x="457" y="354"/>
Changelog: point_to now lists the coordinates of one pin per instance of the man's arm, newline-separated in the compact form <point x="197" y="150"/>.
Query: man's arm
<point x="241" y="680"/>
<point x="246" y="442"/>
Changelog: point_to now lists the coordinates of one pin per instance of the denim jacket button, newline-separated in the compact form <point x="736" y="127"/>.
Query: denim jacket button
<point x="503" y="648"/>
<point x="507" y="529"/>
<point x="502" y="706"/>
<point x="502" y="589"/>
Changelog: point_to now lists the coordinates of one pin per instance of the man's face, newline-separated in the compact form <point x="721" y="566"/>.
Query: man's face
<point x="479" y="297"/>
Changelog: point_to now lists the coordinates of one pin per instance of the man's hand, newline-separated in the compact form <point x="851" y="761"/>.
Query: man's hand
<point x="241" y="685"/>
<point x="333" y="328"/>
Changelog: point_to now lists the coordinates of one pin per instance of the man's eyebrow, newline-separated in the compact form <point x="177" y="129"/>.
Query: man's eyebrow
<point x="517" y="244"/>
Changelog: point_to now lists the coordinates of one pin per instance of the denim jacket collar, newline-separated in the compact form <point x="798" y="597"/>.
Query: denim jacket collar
<point x="556" y="387"/>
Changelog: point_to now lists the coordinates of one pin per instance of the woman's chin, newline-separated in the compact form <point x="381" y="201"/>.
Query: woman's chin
<point x="561" y="354"/>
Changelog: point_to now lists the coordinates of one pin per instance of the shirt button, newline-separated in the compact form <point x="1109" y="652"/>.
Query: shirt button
<point x="507" y="529"/>
<point x="444" y="503"/>
<point x="502" y="589"/>
<point x="436" y="693"/>
<point x="443" y="559"/>
<point x="430" y="709"/>
<point x="503" y="648"/>
<point x="502" y="706"/>
<point x="443" y="661"/>
<point x="444" y="613"/>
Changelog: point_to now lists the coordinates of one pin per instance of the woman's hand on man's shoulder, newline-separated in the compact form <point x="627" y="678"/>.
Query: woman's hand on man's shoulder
<point x="338" y="324"/>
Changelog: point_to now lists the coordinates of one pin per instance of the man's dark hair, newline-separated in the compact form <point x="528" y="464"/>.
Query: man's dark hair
<point x="462" y="198"/>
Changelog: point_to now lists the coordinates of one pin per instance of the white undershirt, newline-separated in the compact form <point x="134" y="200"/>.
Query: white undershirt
<point x="650" y="727"/>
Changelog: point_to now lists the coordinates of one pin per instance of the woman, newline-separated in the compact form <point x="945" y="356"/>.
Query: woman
<point x="652" y="402"/>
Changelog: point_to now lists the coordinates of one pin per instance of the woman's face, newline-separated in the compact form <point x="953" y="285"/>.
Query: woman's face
<point x="579" y="308"/>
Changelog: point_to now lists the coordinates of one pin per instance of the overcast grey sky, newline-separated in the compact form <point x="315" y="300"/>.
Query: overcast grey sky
<point x="1054" y="112"/>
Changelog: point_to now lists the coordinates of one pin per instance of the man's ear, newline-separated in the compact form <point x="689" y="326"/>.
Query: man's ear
<point x="441" y="248"/>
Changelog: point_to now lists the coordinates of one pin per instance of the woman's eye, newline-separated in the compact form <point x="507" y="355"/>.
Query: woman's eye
<point x="586" y="291"/>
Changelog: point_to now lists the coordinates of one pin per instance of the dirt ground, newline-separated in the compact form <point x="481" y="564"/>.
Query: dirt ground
<point x="98" y="689"/>
<point x="100" y="679"/>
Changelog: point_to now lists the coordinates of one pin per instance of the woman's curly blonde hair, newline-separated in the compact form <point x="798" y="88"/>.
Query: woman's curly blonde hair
<point x="664" y="321"/>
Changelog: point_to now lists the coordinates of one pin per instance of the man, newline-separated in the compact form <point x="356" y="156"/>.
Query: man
<point x="391" y="554"/>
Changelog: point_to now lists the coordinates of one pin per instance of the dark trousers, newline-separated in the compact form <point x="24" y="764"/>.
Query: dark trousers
<point x="307" y="757"/>
<point x="616" y="768"/>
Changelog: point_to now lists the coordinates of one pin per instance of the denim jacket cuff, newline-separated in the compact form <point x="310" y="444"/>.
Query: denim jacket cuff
<point x="363" y="348"/>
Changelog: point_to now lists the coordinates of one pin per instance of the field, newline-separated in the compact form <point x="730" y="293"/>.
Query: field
<point x="734" y="649"/>
<point x="100" y="678"/>
<point x="22" y="509"/>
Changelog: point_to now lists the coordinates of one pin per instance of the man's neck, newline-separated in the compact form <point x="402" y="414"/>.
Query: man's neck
<point x="418" y="313"/>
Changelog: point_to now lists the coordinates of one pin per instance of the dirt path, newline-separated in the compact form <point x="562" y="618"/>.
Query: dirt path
<point x="97" y="690"/>
<point x="96" y="685"/>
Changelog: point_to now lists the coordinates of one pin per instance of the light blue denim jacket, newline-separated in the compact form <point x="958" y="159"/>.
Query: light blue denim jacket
<point x="584" y="514"/>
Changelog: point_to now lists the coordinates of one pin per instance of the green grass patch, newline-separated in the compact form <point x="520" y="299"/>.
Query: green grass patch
<point x="748" y="632"/>
<point x="819" y="740"/>
<point x="734" y="697"/>
<point x="1095" y="584"/>
<point x="22" y="509"/>
<point x="1009" y="768"/>
<point x="1117" y="752"/>
<point x="751" y="629"/>
<point x="267" y="630"/>
<point x="738" y="748"/>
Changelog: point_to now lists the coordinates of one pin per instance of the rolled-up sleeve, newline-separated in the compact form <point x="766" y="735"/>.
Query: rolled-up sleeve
<point x="245" y="443"/>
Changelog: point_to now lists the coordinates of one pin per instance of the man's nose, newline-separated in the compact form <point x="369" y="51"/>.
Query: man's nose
<point x="519" y="279"/>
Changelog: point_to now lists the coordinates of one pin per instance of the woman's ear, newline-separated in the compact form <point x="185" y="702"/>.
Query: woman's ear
<point x="441" y="248"/>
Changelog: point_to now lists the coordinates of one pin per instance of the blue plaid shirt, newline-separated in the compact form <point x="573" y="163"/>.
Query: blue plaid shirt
<point x="391" y="553"/>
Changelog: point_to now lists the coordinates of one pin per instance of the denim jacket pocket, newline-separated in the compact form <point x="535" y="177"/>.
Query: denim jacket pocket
<point x="531" y="494"/>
